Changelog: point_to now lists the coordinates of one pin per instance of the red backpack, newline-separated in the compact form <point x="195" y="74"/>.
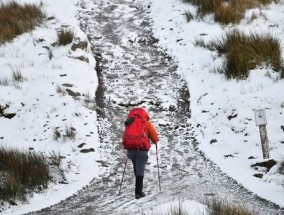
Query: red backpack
<point x="135" y="135"/>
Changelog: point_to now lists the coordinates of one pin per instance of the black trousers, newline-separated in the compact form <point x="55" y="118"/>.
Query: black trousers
<point x="139" y="159"/>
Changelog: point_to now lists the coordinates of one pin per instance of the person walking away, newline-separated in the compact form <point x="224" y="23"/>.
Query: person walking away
<point x="135" y="139"/>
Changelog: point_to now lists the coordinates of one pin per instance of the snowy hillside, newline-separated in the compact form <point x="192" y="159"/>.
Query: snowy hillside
<point x="229" y="142"/>
<point x="222" y="111"/>
<point x="42" y="103"/>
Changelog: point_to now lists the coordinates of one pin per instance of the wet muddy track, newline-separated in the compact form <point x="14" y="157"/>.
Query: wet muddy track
<point x="133" y="72"/>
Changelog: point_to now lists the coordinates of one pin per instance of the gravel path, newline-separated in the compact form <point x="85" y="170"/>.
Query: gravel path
<point x="133" y="72"/>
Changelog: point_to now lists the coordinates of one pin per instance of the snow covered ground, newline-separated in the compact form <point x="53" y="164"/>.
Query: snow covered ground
<point x="214" y="99"/>
<point x="40" y="108"/>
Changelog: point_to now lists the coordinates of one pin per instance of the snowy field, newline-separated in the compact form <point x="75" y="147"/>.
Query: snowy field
<point x="214" y="99"/>
<point x="40" y="108"/>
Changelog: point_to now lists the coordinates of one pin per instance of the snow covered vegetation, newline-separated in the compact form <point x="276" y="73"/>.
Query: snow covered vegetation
<point x="47" y="90"/>
<point x="229" y="54"/>
<point x="233" y="67"/>
<point x="227" y="12"/>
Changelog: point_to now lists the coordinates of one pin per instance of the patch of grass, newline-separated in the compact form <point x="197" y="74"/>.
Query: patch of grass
<point x="226" y="11"/>
<point x="173" y="210"/>
<point x="17" y="76"/>
<point x="56" y="134"/>
<point x="89" y="101"/>
<point x="55" y="162"/>
<point x="205" y="6"/>
<point x="199" y="42"/>
<point x="22" y="173"/>
<point x="188" y="16"/>
<point x="68" y="133"/>
<point x="4" y="82"/>
<point x="245" y="52"/>
<point x="55" y="159"/>
<point x="16" y="19"/>
<point x="219" y="207"/>
<point x="65" y="37"/>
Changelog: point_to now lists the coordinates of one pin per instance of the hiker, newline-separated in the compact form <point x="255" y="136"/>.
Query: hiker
<point x="138" y="131"/>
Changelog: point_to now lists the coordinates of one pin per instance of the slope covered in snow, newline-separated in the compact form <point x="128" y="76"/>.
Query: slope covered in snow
<point x="40" y="108"/>
<point x="42" y="103"/>
<point x="228" y="141"/>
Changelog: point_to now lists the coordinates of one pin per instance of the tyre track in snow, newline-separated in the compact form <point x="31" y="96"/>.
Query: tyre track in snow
<point x="133" y="72"/>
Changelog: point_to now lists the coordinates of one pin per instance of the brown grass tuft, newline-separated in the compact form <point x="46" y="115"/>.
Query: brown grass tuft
<point x="22" y="173"/>
<point x="219" y="207"/>
<point x="16" y="19"/>
<point x="65" y="37"/>
<point x="226" y="11"/>
<point x="188" y="16"/>
<point x="246" y="52"/>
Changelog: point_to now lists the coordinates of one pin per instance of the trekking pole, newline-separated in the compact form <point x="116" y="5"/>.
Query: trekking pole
<point x="122" y="175"/>
<point x="158" y="167"/>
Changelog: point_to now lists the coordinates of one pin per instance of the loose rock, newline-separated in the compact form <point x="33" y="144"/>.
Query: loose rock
<point x="267" y="164"/>
<point x="87" y="150"/>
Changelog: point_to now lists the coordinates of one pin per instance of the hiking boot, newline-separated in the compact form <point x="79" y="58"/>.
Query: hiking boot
<point x="138" y="196"/>
<point x="139" y="187"/>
